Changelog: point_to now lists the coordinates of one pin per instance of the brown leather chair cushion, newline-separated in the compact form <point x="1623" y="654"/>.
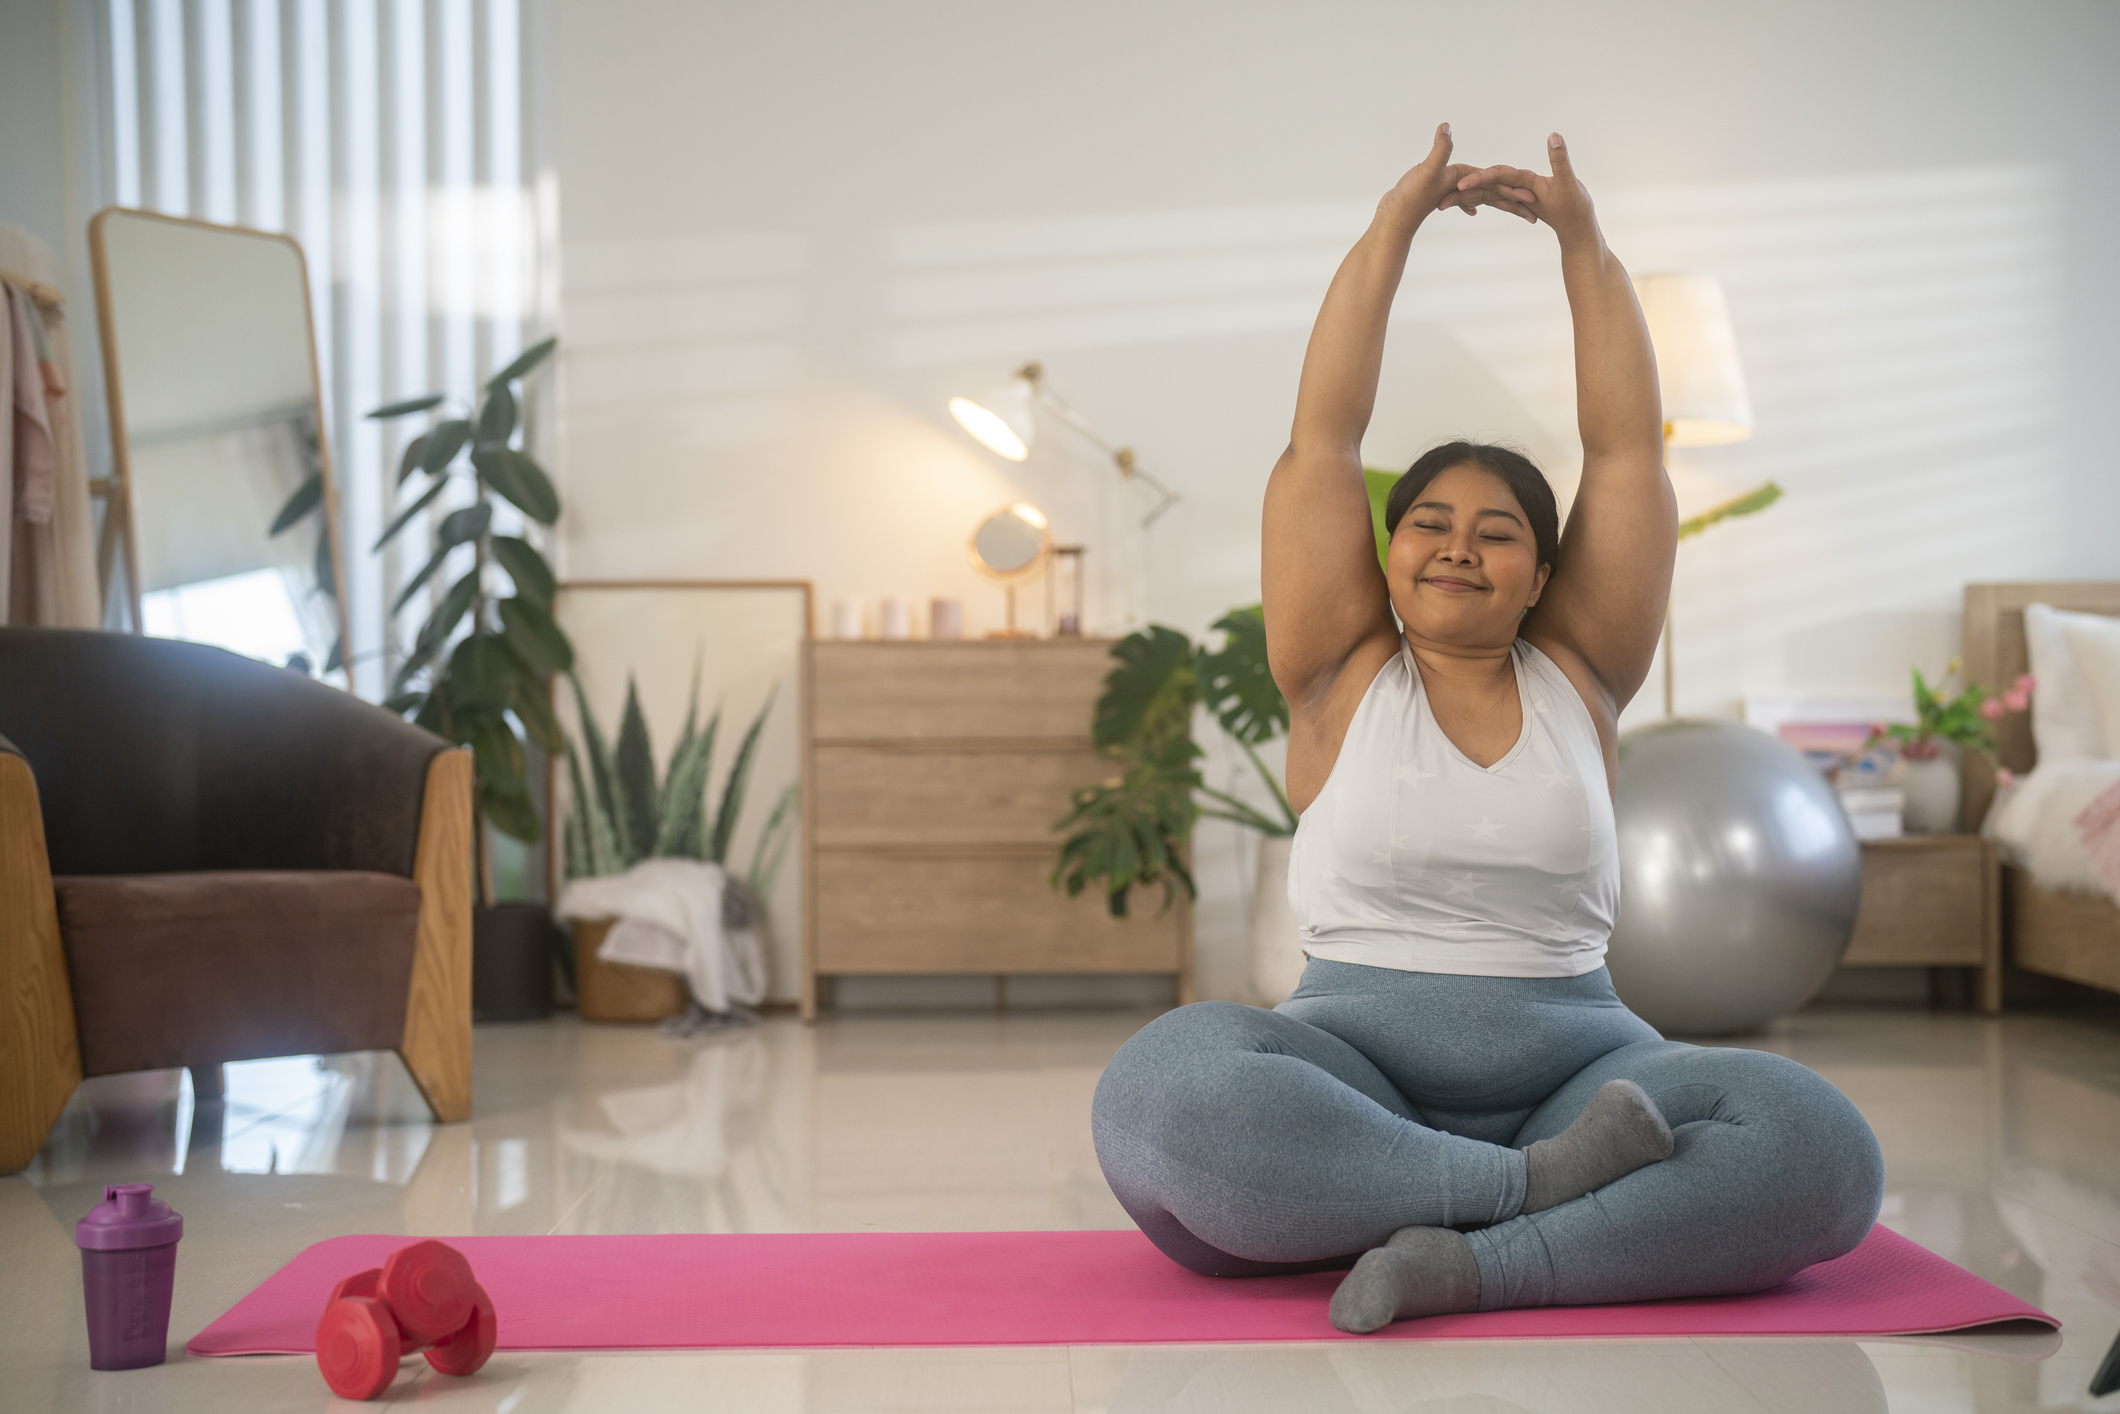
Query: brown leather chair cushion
<point x="199" y="968"/>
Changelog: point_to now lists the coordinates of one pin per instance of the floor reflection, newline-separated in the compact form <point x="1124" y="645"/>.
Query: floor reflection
<point x="2002" y="1145"/>
<point x="1766" y="1377"/>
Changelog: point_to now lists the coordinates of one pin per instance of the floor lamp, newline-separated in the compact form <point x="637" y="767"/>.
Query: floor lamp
<point x="1703" y="389"/>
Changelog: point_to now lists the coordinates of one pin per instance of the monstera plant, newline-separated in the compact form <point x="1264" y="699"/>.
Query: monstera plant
<point x="480" y="666"/>
<point x="1132" y="828"/>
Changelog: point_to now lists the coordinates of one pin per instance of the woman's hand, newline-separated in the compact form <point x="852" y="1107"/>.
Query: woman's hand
<point x="1559" y="199"/>
<point x="1431" y="186"/>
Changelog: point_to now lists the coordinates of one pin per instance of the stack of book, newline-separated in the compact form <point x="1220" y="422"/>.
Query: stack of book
<point x="1877" y="812"/>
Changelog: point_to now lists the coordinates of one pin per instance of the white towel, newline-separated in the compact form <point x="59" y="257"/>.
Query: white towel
<point x="668" y="916"/>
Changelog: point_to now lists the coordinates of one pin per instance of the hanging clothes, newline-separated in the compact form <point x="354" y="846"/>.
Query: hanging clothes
<point x="47" y="549"/>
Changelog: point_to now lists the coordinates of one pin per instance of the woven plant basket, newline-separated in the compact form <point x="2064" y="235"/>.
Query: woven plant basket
<point x="612" y="991"/>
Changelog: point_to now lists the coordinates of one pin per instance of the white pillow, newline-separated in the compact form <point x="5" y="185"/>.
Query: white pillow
<point x="2094" y="642"/>
<point x="2065" y="719"/>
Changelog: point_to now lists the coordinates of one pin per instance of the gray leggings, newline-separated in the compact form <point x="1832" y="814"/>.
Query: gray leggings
<point x="1248" y="1142"/>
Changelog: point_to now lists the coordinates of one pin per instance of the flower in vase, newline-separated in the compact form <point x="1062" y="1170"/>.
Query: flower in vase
<point x="1993" y="710"/>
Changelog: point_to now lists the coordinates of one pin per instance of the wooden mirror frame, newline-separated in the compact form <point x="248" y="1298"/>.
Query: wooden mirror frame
<point x="119" y="528"/>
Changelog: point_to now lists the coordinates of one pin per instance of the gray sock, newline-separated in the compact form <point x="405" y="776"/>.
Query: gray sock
<point x="1618" y="1132"/>
<point x="1421" y="1271"/>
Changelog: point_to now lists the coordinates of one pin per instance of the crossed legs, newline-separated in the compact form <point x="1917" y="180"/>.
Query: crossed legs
<point x="1246" y="1142"/>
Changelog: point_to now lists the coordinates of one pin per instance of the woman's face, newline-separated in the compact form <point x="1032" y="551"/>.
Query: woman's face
<point x="1463" y="565"/>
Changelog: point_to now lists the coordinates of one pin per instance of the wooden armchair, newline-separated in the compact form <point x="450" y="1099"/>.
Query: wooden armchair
<point x="204" y="859"/>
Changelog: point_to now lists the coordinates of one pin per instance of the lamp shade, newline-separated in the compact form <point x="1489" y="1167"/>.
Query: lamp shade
<point x="1697" y="371"/>
<point x="1000" y="420"/>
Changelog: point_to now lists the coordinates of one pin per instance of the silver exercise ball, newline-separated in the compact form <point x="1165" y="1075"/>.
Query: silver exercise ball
<point x="1739" y="878"/>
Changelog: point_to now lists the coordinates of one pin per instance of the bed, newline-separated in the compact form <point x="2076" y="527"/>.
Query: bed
<point x="2056" y="932"/>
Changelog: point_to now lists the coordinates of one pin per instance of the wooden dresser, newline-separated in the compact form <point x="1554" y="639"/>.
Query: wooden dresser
<point x="935" y="773"/>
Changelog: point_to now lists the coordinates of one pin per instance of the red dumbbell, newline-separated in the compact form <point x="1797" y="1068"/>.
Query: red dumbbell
<point x="423" y="1298"/>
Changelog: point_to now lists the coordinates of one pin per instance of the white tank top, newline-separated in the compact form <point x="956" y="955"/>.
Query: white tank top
<point x="1413" y="857"/>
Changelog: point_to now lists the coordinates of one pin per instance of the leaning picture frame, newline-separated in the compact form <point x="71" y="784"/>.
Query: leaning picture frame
<point x="645" y="644"/>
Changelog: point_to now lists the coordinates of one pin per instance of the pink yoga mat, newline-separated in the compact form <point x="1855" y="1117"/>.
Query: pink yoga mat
<point x="1032" y="1288"/>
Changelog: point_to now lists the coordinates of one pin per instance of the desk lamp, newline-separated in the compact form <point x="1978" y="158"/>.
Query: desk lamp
<point x="1004" y="421"/>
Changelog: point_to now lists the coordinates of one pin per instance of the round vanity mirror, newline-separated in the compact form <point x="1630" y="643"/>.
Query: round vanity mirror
<point x="1012" y="543"/>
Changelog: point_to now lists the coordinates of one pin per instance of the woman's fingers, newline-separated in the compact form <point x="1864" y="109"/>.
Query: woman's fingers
<point x="1557" y="154"/>
<point x="1500" y="176"/>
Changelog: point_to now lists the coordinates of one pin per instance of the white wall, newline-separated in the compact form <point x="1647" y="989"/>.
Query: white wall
<point x="790" y="231"/>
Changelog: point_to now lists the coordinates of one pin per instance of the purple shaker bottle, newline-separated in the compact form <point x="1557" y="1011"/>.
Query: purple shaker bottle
<point x="128" y="1248"/>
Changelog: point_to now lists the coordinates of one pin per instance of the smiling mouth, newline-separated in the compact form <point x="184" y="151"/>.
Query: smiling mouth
<point x="1455" y="586"/>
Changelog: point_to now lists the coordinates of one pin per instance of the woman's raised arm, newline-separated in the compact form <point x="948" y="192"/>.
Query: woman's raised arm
<point x="1605" y="602"/>
<point x="1324" y="592"/>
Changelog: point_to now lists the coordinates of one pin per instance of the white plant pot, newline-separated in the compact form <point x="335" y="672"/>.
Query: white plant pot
<point x="1276" y="942"/>
<point x="1932" y="794"/>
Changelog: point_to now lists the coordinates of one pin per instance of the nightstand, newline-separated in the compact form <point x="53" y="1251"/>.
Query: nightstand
<point x="1931" y="901"/>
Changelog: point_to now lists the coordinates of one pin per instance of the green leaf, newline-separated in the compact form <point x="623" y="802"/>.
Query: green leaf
<point x="409" y="460"/>
<point x="444" y="441"/>
<point x="306" y="498"/>
<point x="732" y="792"/>
<point x="448" y="614"/>
<point x="462" y="526"/>
<point x="532" y="634"/>
<point x="603" y="775"/>
<point x="413" y="585"/>
<point x="534" y="710"/>
<point x="403" y="702"/>
<point x="497" y="758"/>
<point x="1744" y="505"/>
<point x="591" y="843"/>
<point x="433" y="714"/>
<point x="482" y="675"/>
<point x="1148" y="699"/>
<point x="634" y="759"/>
<point x="1378" y="484"/>
<point x="532" y="576"/>
<point x="1235" y="683"/>
<point x="496" y="417"/>
<point x="525" y="361"/>
<point x="336" y="658"/>
<point x="520" y="480"/>
<point x="773" y="840"/>
<point x="680" y="833"/>
<point x="397" y="522"/>
<point x="512" y="815"/>
<point x="410" y="405"/>
<point x="321" y="563"/>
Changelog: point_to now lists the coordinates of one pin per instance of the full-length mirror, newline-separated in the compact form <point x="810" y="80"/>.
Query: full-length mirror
<point x="221" y="503"/>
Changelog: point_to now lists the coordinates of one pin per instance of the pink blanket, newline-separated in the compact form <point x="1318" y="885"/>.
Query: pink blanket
<point x="1032" y="1288"/>
<point x="2100" y="823"/>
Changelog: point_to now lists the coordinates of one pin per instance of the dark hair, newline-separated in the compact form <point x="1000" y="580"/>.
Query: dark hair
<point x="1517" y="471"/>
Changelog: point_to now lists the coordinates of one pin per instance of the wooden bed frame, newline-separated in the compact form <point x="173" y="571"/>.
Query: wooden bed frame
<point x="2058" y="933"/>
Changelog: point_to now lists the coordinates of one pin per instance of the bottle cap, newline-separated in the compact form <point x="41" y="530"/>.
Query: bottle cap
<point x="129" y="1216"/>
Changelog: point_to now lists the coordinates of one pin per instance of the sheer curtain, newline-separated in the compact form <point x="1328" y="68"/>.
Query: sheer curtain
<point x="388" y="137"/>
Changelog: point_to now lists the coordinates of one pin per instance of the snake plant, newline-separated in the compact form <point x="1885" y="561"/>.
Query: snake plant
<point x="620" y="814"/>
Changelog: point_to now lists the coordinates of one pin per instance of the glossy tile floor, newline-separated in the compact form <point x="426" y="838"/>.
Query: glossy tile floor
<point x="2002" y="1139"/>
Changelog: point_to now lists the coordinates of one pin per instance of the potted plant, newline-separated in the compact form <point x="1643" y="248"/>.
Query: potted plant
<point x="618" y="815"/>
<point x="480" y="667"/>
<point x="1133" y="828"/>
<point x="1925" y="772"/>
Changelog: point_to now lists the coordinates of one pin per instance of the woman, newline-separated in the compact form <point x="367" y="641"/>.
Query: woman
<point x="1454" y="1100"/>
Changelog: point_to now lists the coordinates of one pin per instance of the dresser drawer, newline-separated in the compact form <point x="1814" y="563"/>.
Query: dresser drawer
<point x="1042" y="689"/>
<point x="884" y="913"/>
<point x="879" y="796"/>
